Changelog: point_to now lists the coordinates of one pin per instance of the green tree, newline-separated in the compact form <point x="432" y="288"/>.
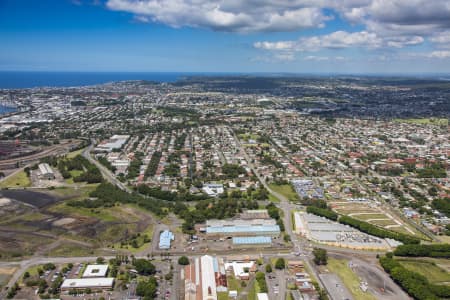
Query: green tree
<point x="268" y="268"/>
<point x="144" y="267"/>
<point x="320" y="256"/>
<point x="280" y="264"/>
<point x="183" y="260"/>
<point x="26" y="275"/>
<point x="100" y="260"/>
<point x="147" y="288"/>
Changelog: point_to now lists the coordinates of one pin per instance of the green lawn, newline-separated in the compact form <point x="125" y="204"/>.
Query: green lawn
<point x="19" y="179"/>
<point x="425" y="121"/>
<point x="272" y="198"/>
<point x="366" y="217"/>
<point x="100" y="213"/>
<point x="383" y="223"/>
<point x="234" y="284"/>
<point x="349" y="278"/>
<point x="75" y="153"/>
<point x="248" y="136"/>
<point x="286" y="190"/>
<point x="253" y="290"/>
<point x="428" y="269"/>
<point x="289" y="295"/>
<point x="73" y="173"/>
<point x="222" y="296"/>
<point x="74" y="193"/>
<point x="5" y="274"/>
<point x="148" y="231"/>
<point x="67" y="250"/>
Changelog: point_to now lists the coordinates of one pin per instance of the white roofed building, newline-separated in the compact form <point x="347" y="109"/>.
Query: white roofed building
<point x="94" y="284"/>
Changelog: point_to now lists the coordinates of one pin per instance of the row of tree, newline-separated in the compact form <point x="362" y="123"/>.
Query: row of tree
<point x="157" y="192"/>
<point x="433" y="250"/>
<point x="261" y="279"/>
<point x="107" y="164"/>
<point x="377" y="231"/>
<point x="153" y="164"/>
<point x="90" y="173"/>
<point x="415" y="284"/>
<point x="442" y="205"/>
<point x="363" y="226"/>
<point x="210" y="209"/>
<point x="323" y="212"/>
<point x="107" y="195"/>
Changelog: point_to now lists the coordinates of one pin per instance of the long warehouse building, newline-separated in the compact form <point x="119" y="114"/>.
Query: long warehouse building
<point x="242" y="228"/>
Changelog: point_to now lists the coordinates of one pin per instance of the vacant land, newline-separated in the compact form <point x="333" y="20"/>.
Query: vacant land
<point x="429" y="269"/>
<point x="52" y="227"/>
<point x="376" y="215"/>
<point x="36" y="199"/>
<point x="286" y="190"/>
<point x="75" y="153"/>
<point x="350" y="279"/>
<point x="5" y="275"/>
<point x="20" y="179"/>
<point x="425" y="121"/>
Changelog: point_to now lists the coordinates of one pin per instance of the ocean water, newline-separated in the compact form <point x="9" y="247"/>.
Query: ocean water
<point x="6" y="109"/>
<point x="18" y="80"/>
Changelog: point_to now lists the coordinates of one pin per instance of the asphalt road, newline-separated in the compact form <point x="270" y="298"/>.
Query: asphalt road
<point x="370" y="272"/>
<point x="335" y="287"/>
<point x="105" y="172"/>
<point x="287" y="207"/>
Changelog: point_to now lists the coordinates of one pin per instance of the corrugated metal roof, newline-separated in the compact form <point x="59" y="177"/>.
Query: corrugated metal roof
<point x="165" y="239"/>
<point x="252" y="240"/>
<point x="240" y="229"/>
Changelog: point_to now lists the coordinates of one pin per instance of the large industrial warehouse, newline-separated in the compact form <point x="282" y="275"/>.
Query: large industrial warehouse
<point x="242" y="228"/>
<point x="324" y="231"/>
<point x="204" y="278"/>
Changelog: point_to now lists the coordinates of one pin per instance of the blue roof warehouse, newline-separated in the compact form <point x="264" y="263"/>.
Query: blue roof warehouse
<point x="165" y="238"/>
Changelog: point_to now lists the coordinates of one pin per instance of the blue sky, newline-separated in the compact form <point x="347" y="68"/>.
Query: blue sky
<point x="300" y="36"/>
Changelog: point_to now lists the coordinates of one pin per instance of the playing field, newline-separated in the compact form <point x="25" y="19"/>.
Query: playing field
<point x="19" y="179"/>
<point x="285" y="190"/>
<point x="429" y="269"/>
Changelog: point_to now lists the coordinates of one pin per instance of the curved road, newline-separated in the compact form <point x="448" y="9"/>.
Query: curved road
<point x="299" y="245"/>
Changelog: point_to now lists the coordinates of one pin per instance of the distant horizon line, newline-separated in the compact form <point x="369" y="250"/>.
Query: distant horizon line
<point x="238" y="73"/>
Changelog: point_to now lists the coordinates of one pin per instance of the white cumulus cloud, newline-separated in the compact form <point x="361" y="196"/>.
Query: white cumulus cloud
<point x="233" y="16"/>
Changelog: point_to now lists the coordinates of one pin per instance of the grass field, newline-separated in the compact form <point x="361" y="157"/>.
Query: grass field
<point x="74" y="193"/>
<point x="428" y="269"/>
<point x="73" y="173"/>
<point x="67" y="250"/>
<point x="248" y="136"/>
<point x="140" y="240"/>
<point x="272" y="198"/>
<point x="234" y="284"/>
<point x="289" y="295"/>
<point x="286" y="190"/>
<point x="367" y="213"/>
<point x="366" y="217"/>
<point x="75" y="153"/>
<point x="444" y="238"/>
<point x="425" y="121"/>
<point x="382" y="223"/>
<point x="350" y="279"/>
<point x="5" y="275"/>
<point x="19" y="179"/>
<point x="101" y="213"/>
<point x="253" y="290"/>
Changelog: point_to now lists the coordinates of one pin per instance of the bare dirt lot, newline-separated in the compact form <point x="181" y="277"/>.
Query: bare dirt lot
<point x="36" y="199"/>
<point x="38" y="222"/>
